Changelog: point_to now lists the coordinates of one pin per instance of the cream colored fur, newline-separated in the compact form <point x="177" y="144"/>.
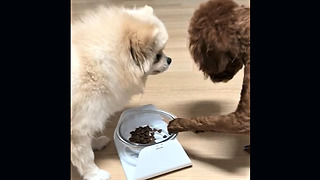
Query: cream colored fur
<point x="113" y="51"/>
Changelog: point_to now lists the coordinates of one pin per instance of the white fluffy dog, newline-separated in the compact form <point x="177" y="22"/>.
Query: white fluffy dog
<point x="113" y="51"/>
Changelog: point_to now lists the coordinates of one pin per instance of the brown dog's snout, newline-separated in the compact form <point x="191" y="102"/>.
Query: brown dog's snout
<point x="169" y="60"/>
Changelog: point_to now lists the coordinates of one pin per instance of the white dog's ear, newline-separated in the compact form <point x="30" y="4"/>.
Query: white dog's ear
<point x="142" y="42"/>
<point x="141" y="39"/>
<point x="148" y="9"/>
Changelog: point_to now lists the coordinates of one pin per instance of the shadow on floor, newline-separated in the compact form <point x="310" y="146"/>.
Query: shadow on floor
<point x="231" y="164"/>
<point x="201" y="108"/>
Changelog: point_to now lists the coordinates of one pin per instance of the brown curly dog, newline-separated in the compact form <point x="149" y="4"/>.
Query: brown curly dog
<point x="220" y="45"/>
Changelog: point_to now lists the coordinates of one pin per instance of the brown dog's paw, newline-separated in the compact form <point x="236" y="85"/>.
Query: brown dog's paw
<point x="176" y="125"/>
<point x="247" y="148"/>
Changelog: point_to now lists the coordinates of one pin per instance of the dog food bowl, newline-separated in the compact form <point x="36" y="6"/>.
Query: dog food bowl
<point x="155" y="119"/>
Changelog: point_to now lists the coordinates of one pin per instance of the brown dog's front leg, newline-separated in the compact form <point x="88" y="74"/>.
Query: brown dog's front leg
<point x="236" y="122"/>
<point x="232" y="123"/>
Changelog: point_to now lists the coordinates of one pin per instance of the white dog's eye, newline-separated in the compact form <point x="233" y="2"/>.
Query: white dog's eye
<point x="158" y="57"/>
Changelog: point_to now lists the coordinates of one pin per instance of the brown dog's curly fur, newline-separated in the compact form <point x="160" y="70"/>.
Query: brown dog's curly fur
<point x="220" y="44"/>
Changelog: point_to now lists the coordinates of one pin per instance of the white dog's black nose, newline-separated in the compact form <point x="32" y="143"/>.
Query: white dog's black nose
<point x="169" y="60"/>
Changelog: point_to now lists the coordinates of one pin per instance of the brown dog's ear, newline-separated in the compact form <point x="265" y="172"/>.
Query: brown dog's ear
<point x="141" y="41"/>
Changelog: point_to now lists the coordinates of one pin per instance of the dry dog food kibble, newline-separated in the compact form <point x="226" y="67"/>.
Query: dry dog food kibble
<point x="144" y="135"/>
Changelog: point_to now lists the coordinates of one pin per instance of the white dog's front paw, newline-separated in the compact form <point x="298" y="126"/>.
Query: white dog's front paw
<point x="100" y="142"/>
<point x="97" y="175"/>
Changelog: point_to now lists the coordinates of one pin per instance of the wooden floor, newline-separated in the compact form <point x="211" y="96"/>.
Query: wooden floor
<point x="182" y="91"/>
